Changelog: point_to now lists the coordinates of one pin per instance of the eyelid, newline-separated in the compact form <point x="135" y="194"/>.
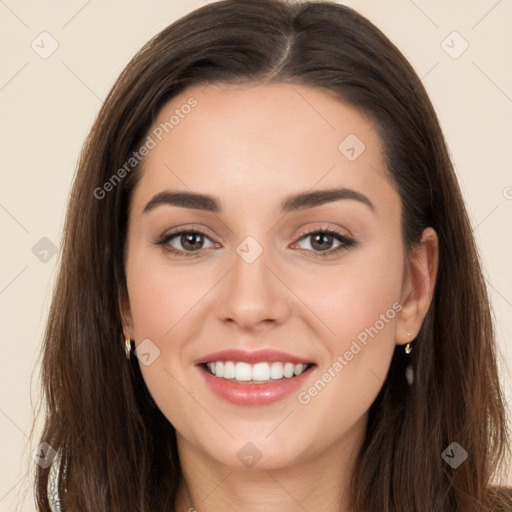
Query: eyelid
<point x="179" y="230"/>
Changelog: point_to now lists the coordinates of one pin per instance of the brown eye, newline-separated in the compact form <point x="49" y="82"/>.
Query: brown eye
<point x="191" y="241"/>
<point x="184" y="242"/>
<point x="322" y="240"/>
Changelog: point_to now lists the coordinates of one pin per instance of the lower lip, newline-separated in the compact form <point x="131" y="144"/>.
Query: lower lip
<point x="254" y="394"/>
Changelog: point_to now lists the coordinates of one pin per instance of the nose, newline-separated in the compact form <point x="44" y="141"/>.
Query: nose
<point x="252" y="296"/>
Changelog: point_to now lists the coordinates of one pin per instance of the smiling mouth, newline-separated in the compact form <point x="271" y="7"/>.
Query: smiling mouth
<point x="259" y="373"/>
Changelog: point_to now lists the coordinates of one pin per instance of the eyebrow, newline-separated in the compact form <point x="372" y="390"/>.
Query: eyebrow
<point x="301" y="201"/>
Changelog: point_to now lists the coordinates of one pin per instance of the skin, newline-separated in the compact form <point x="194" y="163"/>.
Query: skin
<point x="252" y="146"/>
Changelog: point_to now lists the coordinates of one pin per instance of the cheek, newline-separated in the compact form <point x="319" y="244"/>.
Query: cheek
<point x="164" y="300"/>
<point x="360" y="305"/>
<point x="360" y="293"/>
<point x="162" y="295"/>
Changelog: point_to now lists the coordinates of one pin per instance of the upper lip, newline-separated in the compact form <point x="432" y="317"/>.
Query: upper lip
<point x="252" y="356"/>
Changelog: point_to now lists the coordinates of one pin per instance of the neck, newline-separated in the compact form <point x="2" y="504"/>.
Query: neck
<point x="320" y="482"/>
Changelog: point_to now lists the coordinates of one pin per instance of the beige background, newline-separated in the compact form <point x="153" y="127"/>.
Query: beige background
<point x="48" y="105"/>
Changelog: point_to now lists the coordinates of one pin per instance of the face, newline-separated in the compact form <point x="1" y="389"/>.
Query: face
<point x="290" y="277"/>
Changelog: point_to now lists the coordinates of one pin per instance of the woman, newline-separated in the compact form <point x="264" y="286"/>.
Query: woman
<point x="328" y="343"/>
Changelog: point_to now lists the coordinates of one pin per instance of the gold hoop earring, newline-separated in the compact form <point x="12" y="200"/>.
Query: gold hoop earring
<point x="128" y="347"/>
<point x="409" y="371"/>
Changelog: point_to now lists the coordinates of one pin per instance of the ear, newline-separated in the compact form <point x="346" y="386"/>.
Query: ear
<point x="418" y="286"/>
<point x="126" y="314"/>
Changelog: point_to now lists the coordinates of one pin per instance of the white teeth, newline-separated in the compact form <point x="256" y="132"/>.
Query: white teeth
<point x="288" y="370"/>
<point x="299" y="368"/>
<point x="276" y="371"/>
<point x="229" y="370"/>
<point x="243" y="371"/>
<point x="261" y="371"/>
<point x="256" y="372"/>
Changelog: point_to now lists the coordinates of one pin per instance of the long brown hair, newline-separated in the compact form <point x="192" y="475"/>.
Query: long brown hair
<point x="117" y="450"/>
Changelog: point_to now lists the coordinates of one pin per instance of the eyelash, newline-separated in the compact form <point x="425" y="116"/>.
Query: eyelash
<point x="346" y="242"/>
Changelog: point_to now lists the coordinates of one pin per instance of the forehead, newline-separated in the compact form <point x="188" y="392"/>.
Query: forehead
<point x="262" y="141"/>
